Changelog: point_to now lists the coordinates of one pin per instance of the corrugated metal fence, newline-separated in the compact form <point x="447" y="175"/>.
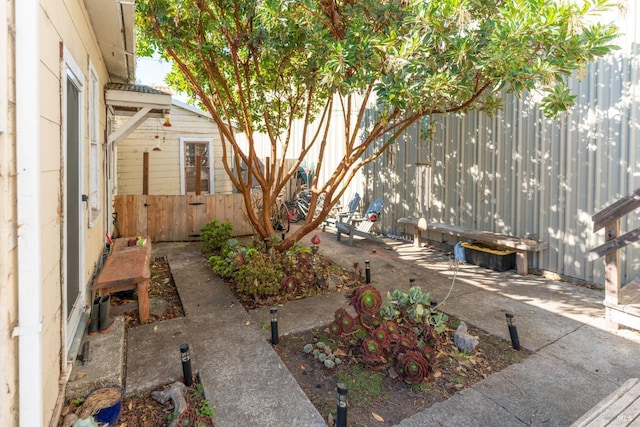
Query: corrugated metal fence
<point x="526" y="176"/>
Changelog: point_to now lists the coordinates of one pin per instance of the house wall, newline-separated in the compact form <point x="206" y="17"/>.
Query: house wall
<point x="67" y="22"/>
<point x="164" y="165"/>
<point x="523" y="175"/>
<point x="8" y="249"/>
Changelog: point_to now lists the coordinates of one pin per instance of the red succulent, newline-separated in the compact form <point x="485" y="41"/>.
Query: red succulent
<point x="371" y="351"/>
<point x="428" y="352"/>
<point x="393" y="329"/>
<point x="347" y="322"/>
<point x="408" y="341"/>
<point x="238" y="260"/>
<point x="288" y="284"/>
<point x="335" y="328"/>
<point x="413" y="367"/>
<point x="366" y="300"/>
<point x="381" y="334"/>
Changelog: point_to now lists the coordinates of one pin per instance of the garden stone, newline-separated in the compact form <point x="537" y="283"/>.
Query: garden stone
<point x="463" y="341"/>
<point x="175" y="393"/>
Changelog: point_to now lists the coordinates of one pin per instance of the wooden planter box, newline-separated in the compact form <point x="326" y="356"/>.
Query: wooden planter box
<point x="498" y="258"/>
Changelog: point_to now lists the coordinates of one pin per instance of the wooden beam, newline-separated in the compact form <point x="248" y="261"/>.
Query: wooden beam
<point x="612" y="268"/>
<point x="614" y="244"/>
<point x="616" y="210"/>
<point x="125" y="130"/>
<point x="145" y="173"/>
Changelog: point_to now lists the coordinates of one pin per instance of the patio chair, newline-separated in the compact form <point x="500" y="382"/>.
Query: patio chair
<point x="362" y="226"/>
<point x="346" y="214"/>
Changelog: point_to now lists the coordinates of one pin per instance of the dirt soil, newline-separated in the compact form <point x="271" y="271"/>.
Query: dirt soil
<point x="383" y="401"/>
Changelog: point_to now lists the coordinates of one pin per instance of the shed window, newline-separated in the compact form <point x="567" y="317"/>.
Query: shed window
<point x="195" y="161"/>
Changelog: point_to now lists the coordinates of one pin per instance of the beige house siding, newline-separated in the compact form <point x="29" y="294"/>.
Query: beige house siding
<point x="164" y="165"/>
<point x="63" y="22"/>
<point x="8" y="249"/>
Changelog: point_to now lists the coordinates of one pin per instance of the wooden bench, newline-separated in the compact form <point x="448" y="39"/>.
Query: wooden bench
<point x="620" y="408"/>
<point x="127" y="268"/>
<point x="522" y="246"/>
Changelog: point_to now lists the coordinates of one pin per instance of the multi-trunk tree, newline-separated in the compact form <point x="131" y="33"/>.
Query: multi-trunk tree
<point x="260" y="65"/>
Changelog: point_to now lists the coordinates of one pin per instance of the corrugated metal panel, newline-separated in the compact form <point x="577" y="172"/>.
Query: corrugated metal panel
<point x="523" y="175"/>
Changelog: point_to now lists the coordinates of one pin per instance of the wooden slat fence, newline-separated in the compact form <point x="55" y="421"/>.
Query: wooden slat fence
<point x="178" y="218"/>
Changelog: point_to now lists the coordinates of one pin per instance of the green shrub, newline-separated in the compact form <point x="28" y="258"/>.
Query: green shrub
<point x="258" y="276"/>
<point x="215" y="235"/>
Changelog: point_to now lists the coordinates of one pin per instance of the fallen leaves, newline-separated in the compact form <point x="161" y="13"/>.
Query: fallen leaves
<point x="377" y="417"/>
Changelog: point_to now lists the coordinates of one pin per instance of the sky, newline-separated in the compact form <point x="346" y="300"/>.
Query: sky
<point x="151" y="71"/>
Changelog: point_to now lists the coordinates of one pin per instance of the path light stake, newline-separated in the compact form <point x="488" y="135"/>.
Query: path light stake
<point x="274" y="325"/>
<point x="367" y="271"/>
<point x="314" y="250"/>
<point x="186" y="364"/>
<point x="513" y="332"/>
<point x="341" y="415"/>
<point x="412" y="283"/>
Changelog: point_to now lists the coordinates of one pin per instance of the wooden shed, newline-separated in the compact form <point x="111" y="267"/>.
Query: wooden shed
<point x="172" y="153"/>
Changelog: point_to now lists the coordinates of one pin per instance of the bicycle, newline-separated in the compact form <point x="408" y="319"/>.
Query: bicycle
<point x="280" y="217"/>
<point x="299" y="207"/>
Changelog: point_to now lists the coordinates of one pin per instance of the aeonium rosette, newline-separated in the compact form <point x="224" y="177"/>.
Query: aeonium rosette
<point x="372" y="352"/>
<point x="413" y="367"/>
<point x="366" y="300"/>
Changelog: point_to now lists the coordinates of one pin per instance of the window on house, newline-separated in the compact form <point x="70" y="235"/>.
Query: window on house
<point x="195" y="161"/>
<point x="94" y="145"/>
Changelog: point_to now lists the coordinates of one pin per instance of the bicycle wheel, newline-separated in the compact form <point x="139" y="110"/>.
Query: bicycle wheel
<point x="294" y="214"/>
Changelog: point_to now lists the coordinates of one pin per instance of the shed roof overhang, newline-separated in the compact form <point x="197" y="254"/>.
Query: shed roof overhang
<point x="113" y="23"/>
<point x="137" y="101"/>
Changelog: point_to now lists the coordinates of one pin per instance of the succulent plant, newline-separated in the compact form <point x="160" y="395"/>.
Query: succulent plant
<point x="337" y="361"/>
<point x="238" y="260"/>
<point x="347" y="323"/>
<point x="381" y="334"/>
<point x="308" y="348"/>
<point x="428" y="352"/>
<point x="408" y="341"/>
<point x="339" y="313"/>
<point x="372" y="352"/>
<point x="329" y="363"/>
<point x="366" y="300"/>
<point x="288" y="284"/>
<point x="413" y="367"/>
<point x="316" y="353"/>
<point x="335" y="328"/>
<point x="322" y="357"/>
<point x="320" y="344"/>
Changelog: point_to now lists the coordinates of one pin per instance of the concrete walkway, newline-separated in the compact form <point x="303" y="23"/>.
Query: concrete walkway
<point x="577" y="359"/>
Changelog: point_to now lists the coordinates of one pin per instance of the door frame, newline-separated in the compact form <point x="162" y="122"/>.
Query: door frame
<point x="71" y="71"/>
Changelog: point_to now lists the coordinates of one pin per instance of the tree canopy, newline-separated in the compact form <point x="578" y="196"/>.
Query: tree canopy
<point x="263" y="64"/>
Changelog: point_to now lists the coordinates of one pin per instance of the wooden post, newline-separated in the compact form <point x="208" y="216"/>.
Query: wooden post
<point x="612" y="266"/>
<point x="145" y="173"/>
<point x="198" y="174"/>
<point x="267" y="165"/>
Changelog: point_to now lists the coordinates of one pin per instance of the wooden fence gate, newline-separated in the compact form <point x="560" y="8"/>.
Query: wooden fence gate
<point x="178" y="218"/>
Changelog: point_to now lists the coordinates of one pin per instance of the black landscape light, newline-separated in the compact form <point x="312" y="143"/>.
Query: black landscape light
<point x="274" y="325"/>
<point x="341" y="413"/>
<point x="186" y="364"/>
<point x="367" y="271"/>
<point x="513" y="332"/>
